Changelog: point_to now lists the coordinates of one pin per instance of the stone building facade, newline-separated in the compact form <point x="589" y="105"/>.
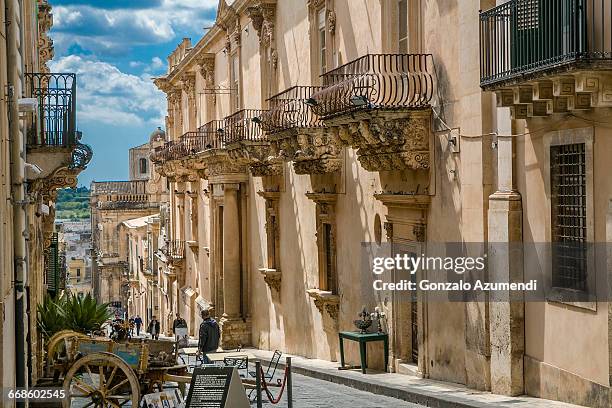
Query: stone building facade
<point x="298" y="130"/>
<point x="40" y="151"/>
<point x="113" y="205"/>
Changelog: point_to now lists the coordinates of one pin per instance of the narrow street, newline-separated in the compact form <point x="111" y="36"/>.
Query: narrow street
<point x="313" y="393"/>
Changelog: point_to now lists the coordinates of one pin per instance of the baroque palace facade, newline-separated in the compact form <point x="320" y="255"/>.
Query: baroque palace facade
<point x="299" y="129"/>
<point x="40" y="151"/>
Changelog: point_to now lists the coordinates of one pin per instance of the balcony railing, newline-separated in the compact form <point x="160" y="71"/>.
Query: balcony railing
<point x="208" y="136"/>
<point x="524" y="37"/>
<point x="138" y="187"/>
<point x="288" y="110"/>
<point x="375" y="81"/>
<point x="241" y="126"/>
<point x="56" y="95"/>
<point x="175" y="249"/>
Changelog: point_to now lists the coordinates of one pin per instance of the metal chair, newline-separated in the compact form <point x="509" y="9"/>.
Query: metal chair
<point x="268" y="376"/>
<point x="240" y="362"/>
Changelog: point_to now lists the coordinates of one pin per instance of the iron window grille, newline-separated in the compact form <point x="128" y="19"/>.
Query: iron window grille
<point x="569" y="216"/>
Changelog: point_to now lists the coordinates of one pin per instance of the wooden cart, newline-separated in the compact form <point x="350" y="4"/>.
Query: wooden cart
<point x="98" y="372"/>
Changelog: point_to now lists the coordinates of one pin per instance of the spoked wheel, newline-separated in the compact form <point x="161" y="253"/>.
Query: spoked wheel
<point x="58" y="348"/>
<point x="101" y="380"/>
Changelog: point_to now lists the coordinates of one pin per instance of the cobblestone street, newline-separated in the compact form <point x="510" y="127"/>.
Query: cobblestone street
<point x="313" y="393"/>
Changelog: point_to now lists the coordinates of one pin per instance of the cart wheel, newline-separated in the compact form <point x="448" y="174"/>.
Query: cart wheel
<point x="102" y="380"/>
<point x="56" y="347"/>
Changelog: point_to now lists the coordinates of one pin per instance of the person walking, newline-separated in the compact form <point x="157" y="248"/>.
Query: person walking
<point x="209" y="335"/>
<point x="153" y="328"/>
<point x="138" y="323"/>
<point x="178" y="322"/>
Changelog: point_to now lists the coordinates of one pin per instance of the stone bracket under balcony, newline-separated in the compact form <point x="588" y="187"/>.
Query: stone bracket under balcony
<point x="312" y="150"/>
<point x="561" y="94"/>
<point x="260" y="157"/>
<point x="326" y="302"/>
<point x="387" y="140"/>
<point x="273" y="279"/>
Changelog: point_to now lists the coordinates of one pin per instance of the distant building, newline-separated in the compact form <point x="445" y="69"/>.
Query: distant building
<point x="112" y="203"/>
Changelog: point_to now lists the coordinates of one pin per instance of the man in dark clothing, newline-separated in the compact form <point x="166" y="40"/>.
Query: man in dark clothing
<point x="178" y="322"/>
<point x="138" y="323"/>
<point x="209" y="336"/>
<point x="153" y="328"/>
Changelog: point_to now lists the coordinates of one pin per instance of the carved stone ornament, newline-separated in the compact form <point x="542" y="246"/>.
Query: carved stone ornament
<point x="273" y="278"/>
<point x="331" y="22"/>
<point x="261" y="158"/>
<point x="45" y="43"/>
<point x="387" y="142"/>
<point x="207" y="70"/>
<point x="221" y="165"/>
<point x="326" y="302"/>
<point x="318" y="151"/>
<point x="188" y="84"/>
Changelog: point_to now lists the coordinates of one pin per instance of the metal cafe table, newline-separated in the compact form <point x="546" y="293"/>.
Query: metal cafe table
<point x="363" y="339"/>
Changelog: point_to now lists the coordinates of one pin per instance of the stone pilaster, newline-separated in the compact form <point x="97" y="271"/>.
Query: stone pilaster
<point x="505" y="260"/>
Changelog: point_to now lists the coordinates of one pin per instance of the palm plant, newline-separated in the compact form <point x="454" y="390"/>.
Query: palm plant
<point x="84" y="314"/>
<point x="50" y="316"/>
<point x="75" y="312"/>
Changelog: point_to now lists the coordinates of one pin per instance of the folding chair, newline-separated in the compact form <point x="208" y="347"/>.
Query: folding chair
<point x="268" y="376"/>
<point x="240" y="362"/>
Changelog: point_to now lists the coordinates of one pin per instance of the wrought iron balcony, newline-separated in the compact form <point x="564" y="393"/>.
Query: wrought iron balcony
<point x="56" y="95"/>
<point x="288" y="110"/>
<point x="524" y="39"/>
<point x="174" y="249"/>
<point x="242" y="126"/>
<point x="138" y="187"/>
<point x="208" y="136"/>
<point x="376" y="81"/>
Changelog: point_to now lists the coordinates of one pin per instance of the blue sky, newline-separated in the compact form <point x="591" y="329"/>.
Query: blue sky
<point x="115" y="47"/>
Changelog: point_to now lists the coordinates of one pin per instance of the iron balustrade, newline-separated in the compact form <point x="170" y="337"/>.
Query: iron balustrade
<point x="241" y="126"/>
<point x="175" y="249"/>
<point x="376" y="81"/>
<point x="56" y="95"/>
<point x="523" y="37"/>
<point x="206" y="137"/>
<point x="288" y="110"/>
<point x="137" y="187"/>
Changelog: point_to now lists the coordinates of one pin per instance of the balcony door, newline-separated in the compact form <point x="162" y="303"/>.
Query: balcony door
<point x="546" y="31"/>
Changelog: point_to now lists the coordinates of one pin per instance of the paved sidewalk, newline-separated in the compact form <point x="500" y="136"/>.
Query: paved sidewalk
<point x="425" y="392"/>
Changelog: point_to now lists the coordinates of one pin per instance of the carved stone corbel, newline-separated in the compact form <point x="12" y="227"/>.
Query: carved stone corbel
<point x="261" y="158"/>
<point x="188" y="81"/>
<point x="388" y="140"/>
<point x="45" y="43"/>
<point x="319" y="151"/>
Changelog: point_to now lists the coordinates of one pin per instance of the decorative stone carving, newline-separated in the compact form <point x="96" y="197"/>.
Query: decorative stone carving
<point x="263" y="16"/>
<point x="331" y="21"/>
<point x="188" y="85"/>
<point x="318" y="152"/>
<point x="207" y="70"/>
<point x="388" y="142"/>
<point x="273" y="278"/>
<point x="419" y="232"/>
<point x="260" y="157"/>
<point x="571" y="90"/>
<point x="326" y="302"/>
<point x="45" y="43"/>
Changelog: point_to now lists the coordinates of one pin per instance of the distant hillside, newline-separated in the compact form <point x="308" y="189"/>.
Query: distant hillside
<point x="72" y="203"/>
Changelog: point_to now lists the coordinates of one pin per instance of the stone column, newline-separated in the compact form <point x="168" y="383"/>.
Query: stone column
<point x="235" y="330"/>
<point x="507" y="312"/>
<point x="231" y="252"/>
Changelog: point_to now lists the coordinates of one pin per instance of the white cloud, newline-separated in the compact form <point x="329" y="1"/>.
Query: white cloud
<point x="110" y="30"/>
<point x="107" y="95"/>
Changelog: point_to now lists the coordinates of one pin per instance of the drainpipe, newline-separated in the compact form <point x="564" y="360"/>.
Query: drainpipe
<point x="17" y="155"/>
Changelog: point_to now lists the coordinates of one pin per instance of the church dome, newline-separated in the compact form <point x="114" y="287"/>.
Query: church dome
<point x="157" y="135"/>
